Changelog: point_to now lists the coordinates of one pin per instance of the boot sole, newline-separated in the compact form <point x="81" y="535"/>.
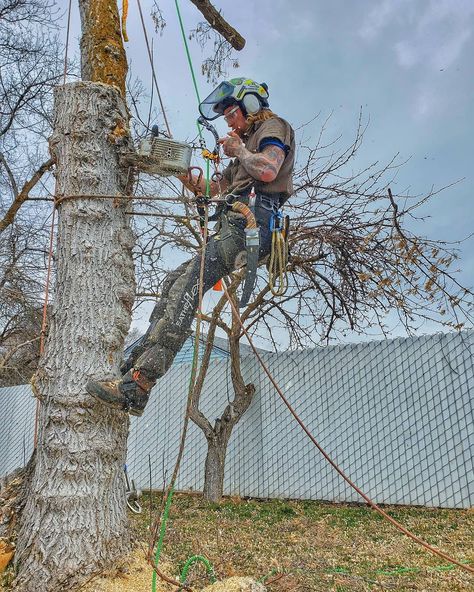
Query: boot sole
<point x="104" y="398"/>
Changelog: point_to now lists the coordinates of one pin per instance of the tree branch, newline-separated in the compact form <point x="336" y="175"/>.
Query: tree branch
<point x="219" y="24"/>
<point x="23" y="195"/>
<point x="10" y="175"/>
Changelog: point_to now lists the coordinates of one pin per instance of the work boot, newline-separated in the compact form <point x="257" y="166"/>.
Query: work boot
<point x="130" y="394"/>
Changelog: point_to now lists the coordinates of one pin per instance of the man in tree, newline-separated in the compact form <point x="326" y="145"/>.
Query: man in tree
<point x="263" y="147"/>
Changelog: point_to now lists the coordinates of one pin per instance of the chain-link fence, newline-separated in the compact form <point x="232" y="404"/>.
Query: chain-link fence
<point x="395" y="415"/>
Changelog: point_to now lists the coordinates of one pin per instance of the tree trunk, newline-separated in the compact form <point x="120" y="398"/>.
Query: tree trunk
<point x="214" y="467"/>
<point x="218" y="436"/>
<point x="74" y="521"/>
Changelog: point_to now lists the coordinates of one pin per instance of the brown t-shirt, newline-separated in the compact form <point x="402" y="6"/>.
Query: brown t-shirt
<point x="237" y="176"/>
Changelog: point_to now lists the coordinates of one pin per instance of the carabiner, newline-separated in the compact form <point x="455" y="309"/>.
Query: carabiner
<point x="214" y="155"/>
<point x="195" y="184"/>
<point x="276" y="222"/>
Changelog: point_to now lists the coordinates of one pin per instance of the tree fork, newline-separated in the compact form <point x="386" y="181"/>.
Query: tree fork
<point x="74" y="521"/>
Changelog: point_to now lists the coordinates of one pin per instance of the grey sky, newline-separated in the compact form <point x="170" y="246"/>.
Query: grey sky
<point x="407" y="63"/>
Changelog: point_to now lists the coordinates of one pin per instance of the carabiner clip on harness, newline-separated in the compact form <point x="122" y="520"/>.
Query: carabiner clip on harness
<point x="207" y="154"/>
<point x="201" y="199"/>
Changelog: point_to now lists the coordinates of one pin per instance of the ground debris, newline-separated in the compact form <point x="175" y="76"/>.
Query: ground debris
<point x="236" y="584"/>
<point x="10" y="490"/>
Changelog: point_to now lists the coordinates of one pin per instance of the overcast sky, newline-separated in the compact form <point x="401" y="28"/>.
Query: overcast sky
<point x="407" y="63"/>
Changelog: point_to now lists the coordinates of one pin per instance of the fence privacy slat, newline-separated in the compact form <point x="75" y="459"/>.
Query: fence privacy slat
<point x="396" y="415"/>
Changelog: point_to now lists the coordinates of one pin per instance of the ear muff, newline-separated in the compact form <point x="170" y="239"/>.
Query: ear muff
<point x="252" y="104"/>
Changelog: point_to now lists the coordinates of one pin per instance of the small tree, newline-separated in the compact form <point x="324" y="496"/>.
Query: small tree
<point x="353" y="260"/>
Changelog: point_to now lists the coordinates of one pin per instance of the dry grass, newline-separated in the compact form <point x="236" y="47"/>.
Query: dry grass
<point x="317" y="546"/>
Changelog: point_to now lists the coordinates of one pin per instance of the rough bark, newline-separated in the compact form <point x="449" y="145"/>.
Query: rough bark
<point x="74" y="521"/>
<point x="103" y="56"/>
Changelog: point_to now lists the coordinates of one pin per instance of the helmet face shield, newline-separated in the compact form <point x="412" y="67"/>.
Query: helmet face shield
<point x="232" y="92"/>
<point x="209" y="107"/>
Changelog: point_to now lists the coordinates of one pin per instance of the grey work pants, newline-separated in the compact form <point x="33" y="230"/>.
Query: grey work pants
<point x="173" y="314"/>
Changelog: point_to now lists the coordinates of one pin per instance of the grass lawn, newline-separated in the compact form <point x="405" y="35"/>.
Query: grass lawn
<point x="317" y="546"/>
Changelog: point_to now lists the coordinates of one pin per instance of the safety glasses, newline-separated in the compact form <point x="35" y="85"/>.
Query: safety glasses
<point x="231" y="114"/>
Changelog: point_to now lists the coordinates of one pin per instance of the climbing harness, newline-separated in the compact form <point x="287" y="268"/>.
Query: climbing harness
<point x="277" y="266"/>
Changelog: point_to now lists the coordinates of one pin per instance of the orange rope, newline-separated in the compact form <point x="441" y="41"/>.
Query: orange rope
<point x="329" y="459"/>
<point x="50" y="253"/>
<point x="45" y="316"/>
<point x="124" y="19"/>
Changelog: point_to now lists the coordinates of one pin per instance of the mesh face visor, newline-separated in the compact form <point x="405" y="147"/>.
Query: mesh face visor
<point x="208" y="108"/>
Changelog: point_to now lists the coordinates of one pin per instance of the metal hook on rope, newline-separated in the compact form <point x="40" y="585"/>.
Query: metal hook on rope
<point x="195" y="183"/>
<point x="214" y="155"/>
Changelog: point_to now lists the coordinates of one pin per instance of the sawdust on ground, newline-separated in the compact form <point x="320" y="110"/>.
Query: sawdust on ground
<point x="236" y="584"/>
<point x="135" y="575"/>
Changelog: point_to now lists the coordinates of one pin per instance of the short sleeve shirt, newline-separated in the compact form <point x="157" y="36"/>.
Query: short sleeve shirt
<point x="239" y="179"/>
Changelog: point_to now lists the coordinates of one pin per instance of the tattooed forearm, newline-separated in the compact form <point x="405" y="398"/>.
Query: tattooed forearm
<point x="263" y="166"/>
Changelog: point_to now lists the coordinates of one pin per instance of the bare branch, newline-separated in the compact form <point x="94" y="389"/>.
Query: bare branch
<point x="24" y="193"/>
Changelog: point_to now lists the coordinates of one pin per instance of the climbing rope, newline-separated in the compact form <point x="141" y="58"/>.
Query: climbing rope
<point x="198" y="559"/>
<point x="205" y="153"/>
<point x="152" y="65"/>
<point x="44" y="319"/>
<point x="124" y="20"/>
<point x="160" y="523"/>
<point x="277" y="266"/>
<point x="369" y="501"/>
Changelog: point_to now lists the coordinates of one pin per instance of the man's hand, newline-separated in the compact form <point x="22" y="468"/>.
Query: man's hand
<point x="232" y="145"/>
<point x="262" y="166"/>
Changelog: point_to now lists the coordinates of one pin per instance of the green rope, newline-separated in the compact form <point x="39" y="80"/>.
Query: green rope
<point x="187" y="51"/>
<point x="196" y="559"/>
<point x="159" y="546"/>
<point x="271" y="573"/>
<point x="192" y="379"/>
<point x="193" y="76"/>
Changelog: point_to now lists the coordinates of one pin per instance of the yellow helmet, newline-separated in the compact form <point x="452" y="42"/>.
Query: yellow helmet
<point x="249" y="95"/>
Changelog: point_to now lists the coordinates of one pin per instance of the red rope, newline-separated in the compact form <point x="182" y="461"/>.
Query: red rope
<point x="329" y="459"/>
